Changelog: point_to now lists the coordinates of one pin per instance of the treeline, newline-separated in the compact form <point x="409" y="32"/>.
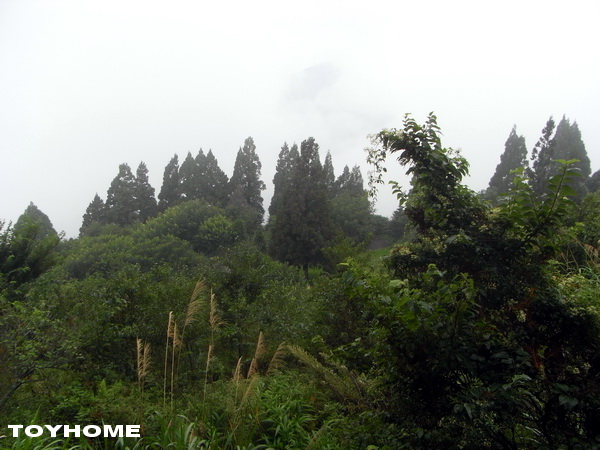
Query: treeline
<point x="311" y="208"/>
<point x="131" y="199"/>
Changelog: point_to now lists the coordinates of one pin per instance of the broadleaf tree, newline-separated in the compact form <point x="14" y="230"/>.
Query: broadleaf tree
<point x="479" y="341"/>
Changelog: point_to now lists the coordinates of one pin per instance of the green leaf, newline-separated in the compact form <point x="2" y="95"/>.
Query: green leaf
<point x="567" y="401"/>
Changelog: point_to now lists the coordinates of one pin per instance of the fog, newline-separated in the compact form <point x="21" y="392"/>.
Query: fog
<point x="85" y="86"/>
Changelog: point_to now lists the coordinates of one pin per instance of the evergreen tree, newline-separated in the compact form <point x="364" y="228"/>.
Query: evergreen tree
<point x="214" y="183"/>
<point x="350" y="181"/>
<point x="355" y="184"/>
<point x="144" y="194"/>
<point x="94" y="213"/>
<point x="246" y="186"/>
<point x="398" y="224"/>
<point x="593" y="182"/>
<point x="542" y="159"/>
<point x="121" y="205"/>
<point x="329" y="175"/>
<point x="190" y="176"/>
<point x="352" y="211"/>
<point x="343" y="179"/>
<point x="169" y="193"/>
<point x="566" y="143"/>
<point x="33" y="215"/>
<point x="302" y="226"/>
<point x="286" y="164"/>
<point x="514" y="157"/>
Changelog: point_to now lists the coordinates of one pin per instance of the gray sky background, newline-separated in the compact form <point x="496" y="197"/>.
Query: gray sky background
<point x="87" y="85"/>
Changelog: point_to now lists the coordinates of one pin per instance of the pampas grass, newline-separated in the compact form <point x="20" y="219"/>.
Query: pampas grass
<point x="169" y="333"/>
<point x="277" y="362"/>
<point x="143" y="361"/>
<point x="175" y="338"/>
<point x="260" y="351"/>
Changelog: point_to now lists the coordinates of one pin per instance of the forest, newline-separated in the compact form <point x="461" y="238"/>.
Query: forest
<point x="467" y="320"/>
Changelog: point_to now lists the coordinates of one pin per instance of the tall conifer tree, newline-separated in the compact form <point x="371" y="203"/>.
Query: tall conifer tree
<point x="566" y="143"/>
<point x="246" y="186"/>
<point x="593" y="182"/>
<point x="351" y="209"/>
<point x="514" y="157"/>
<point x="95" y="213"/>
<point x="36" y="216"/>
<point x="302" y="226"/>
<point x="329" y="175"/>
<point x="190" y="177"/>
<point x="170" y="192"/>
<point x="121" y="207"/>
<point x="215" y="182"/>
<point x="542" y="157"/>
<point x="144" y="194"/>
<point x="286" y="164"/>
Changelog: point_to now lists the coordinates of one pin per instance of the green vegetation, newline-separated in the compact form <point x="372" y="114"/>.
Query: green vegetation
<point x="479" y="327"/>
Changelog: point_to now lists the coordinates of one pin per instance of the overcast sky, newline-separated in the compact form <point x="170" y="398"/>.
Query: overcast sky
<point x="88" y="85"/>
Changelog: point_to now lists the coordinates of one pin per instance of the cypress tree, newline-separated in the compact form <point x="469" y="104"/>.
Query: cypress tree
<point x="329" y="175"/>
<point x="144" y="194"/>
<point x="94" y="213"/>
<point x="343" y="179"/>
<point x="190" y="177"/>
<point x="121" y="207"/>
<point x="351" y="210"/>
<point x="593" y="182"/>
<point x="170" y="192"/>
<point x="566" y="143"/>
<point x="355" y="184"/>
<point x="215" y="182"/>
<point x="542" y="157"/>
<point x="514" y="157"/>
<point x="246" y="186"/>
<point x="286" y="164"/>
<point x="33" y="214"/>
<point x="302" y="226"/>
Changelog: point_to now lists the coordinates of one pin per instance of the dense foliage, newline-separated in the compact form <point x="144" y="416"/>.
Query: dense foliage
<point x="479" y="328"/>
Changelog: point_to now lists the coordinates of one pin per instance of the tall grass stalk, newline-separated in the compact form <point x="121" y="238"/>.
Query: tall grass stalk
<point x="176" y="346"/>
<point x="214" y="319"/>
<point x="169" y="332"/>
<point x="260" y="351"/>
<point x="208" y="358"/>
<point x="237" y="377"/>
<point x="143" y="362"/>
<point x="277" y="360"/>
<point x="193" y="310"/>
